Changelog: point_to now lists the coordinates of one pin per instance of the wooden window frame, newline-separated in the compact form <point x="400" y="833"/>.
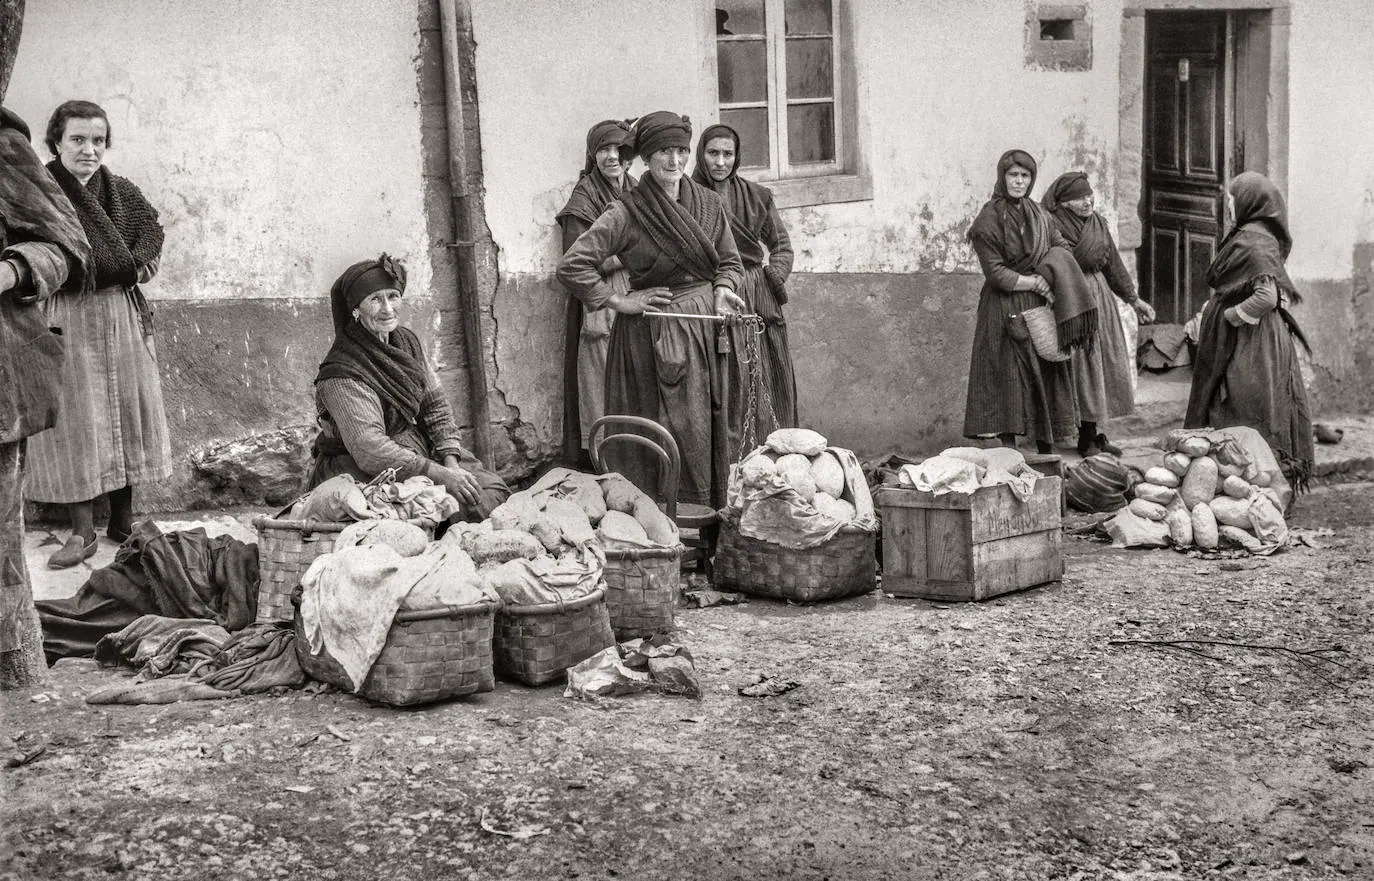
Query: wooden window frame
<point x="846" y="177"/>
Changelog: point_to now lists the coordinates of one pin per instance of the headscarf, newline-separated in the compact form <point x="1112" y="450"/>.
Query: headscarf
<point x="1019" y="226"/>
<point x="119" y="223"/>
<point x="1258" y="243"/>
<point x="660" y="129"/>
<point x="32" y="206"/>
<point x="395" y="369"/>
<point x="746" y="203"/>
<point x="1089" y="236"/>
<point x="594" y="191"/>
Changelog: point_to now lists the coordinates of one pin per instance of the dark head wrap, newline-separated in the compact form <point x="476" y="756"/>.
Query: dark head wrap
<point x="1068" y="186"/>
<point x="660" y="129"/>
<point x="1089" y="237"/>
<point x="593" y="191"/>
<point x="1018" y="226"/>
<point x="360" y="281"/>
<point x="395" y="369"/>
<point x="747" y="204"/>
<point x="1258" y="243"/>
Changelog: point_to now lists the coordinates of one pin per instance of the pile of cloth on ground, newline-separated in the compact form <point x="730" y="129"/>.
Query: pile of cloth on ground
<point x="797" y="491"/>
<point x="1209" y="491"/>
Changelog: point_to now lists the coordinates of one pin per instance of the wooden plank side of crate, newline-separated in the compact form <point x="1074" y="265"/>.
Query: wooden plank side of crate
<point x="1017" y="562"/>
<point x="905" y="497"/>
<point x="922" y="546"/>
<point x="904" y="546"/>
<point x="998" y="513"/>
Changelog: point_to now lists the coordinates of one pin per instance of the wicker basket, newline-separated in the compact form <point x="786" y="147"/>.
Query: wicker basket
<point x="537" y="644"/>
<point x="286" y="548"/>
<point x="642" y="588"/>
<point x="841" y="567"/>
<point x="1044" y="333"/>
<point x="429" y="655"/>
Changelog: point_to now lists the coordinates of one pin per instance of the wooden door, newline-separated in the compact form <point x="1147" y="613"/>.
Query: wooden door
<point x="1185" y="149"/>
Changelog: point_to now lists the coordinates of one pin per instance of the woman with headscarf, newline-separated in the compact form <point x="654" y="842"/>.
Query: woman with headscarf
<point x="1102" y="374"/>
<point x="759" y="235"/>
<point x="379" y="404"/>
<point x="675" y="240"/>
<point x="42" y="247"/>
<point x="605" y="177"/>
<point x="1246" y="371"/>
<point x="1011" y="389"/>
<point x="111" y="432"/>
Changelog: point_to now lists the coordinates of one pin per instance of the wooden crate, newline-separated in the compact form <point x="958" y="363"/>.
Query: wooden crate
<point x="970" y="547"/>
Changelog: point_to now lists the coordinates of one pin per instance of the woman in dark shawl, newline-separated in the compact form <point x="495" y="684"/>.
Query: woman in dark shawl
<point x="766" y="253"/>
<point x="380" y="405"/>
<point x="1102" y="374"/>
<point x="1246" y="371"/>
<point x="675" y="240"/>
<point x="1011" y="390"/>
<point x="605" y="177"/>
<point x="111" y="431"/>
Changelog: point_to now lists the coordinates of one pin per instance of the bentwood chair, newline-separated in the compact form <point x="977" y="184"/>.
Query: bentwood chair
<point x="698" y="525"/>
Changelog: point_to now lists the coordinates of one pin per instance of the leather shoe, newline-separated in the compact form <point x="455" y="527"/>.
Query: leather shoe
<point x="74" y="551"/>
<point x="1106" y="446"/>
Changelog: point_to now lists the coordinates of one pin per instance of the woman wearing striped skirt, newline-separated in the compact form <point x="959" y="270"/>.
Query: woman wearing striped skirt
<point x="111" y="432"/>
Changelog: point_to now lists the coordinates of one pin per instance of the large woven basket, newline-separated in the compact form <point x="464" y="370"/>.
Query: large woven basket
<point x="286" y="548"/>
<point x="429" y="655"/>
<point x="844" y="566"/>
<point x="642" y="588"/>
<point x="1044" y="333"/>
<point x="537" y="644"/>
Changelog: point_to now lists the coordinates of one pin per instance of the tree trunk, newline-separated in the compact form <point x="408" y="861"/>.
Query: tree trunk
<point x="11" y="26"/>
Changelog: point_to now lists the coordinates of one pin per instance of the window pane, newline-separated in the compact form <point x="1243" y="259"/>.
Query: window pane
<point x="739" y="17"/>
<point x="752" y="125"/>
<point x="743" y="71"/>
<point x="811" y="133"/>
<point x="809" y="74"/>
<point x="807" y="17"/>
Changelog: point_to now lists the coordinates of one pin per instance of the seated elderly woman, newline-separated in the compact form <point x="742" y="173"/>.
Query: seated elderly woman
<point x="379" y="404"/>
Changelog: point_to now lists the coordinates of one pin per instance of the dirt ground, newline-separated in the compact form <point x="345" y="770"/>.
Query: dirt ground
<point x="1003" y="740"/>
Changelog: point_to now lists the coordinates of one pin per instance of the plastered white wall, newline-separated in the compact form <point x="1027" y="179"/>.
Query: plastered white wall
<point x="280" y="141"/>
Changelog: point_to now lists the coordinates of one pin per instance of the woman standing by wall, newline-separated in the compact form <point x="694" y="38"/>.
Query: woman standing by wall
<point x="674" y="238"/>
<point x="1011" y="390"/>
<point x="111" y="433"/>
<point x="1102" y="374"/>
<point x="605" y="177"/>
<point x="1246" y="371"/>
<point x="759" y="235"/>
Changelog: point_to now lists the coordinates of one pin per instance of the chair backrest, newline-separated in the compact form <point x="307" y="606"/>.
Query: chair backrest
<point x="642" y="432"/>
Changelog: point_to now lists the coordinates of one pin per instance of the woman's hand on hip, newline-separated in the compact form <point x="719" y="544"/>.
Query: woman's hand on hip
<point x="636" y="302"/>
<point x="728" y="302"/>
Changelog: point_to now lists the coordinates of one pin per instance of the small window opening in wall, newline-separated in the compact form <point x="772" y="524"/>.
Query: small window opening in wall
<point x="1057" y="29"/>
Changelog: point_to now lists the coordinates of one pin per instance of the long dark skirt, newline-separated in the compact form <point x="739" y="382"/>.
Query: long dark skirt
<point x="1249" y="375"/>
<point x="667" y="370"/>
<point x="779" y="381"/>
<point x="1011" y="390"/>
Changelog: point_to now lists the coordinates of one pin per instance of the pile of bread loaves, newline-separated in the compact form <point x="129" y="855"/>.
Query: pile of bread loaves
<point x="799" y="456"/>
<point x="1211" y="494"/>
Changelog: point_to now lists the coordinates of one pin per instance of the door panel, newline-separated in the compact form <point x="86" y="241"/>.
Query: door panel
<point x="1185" y="163"/>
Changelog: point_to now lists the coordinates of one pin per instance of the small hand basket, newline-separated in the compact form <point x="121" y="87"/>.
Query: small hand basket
<point x="1044" y="333"/>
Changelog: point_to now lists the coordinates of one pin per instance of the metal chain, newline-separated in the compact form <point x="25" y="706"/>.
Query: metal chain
<point x="752" y="359"/>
